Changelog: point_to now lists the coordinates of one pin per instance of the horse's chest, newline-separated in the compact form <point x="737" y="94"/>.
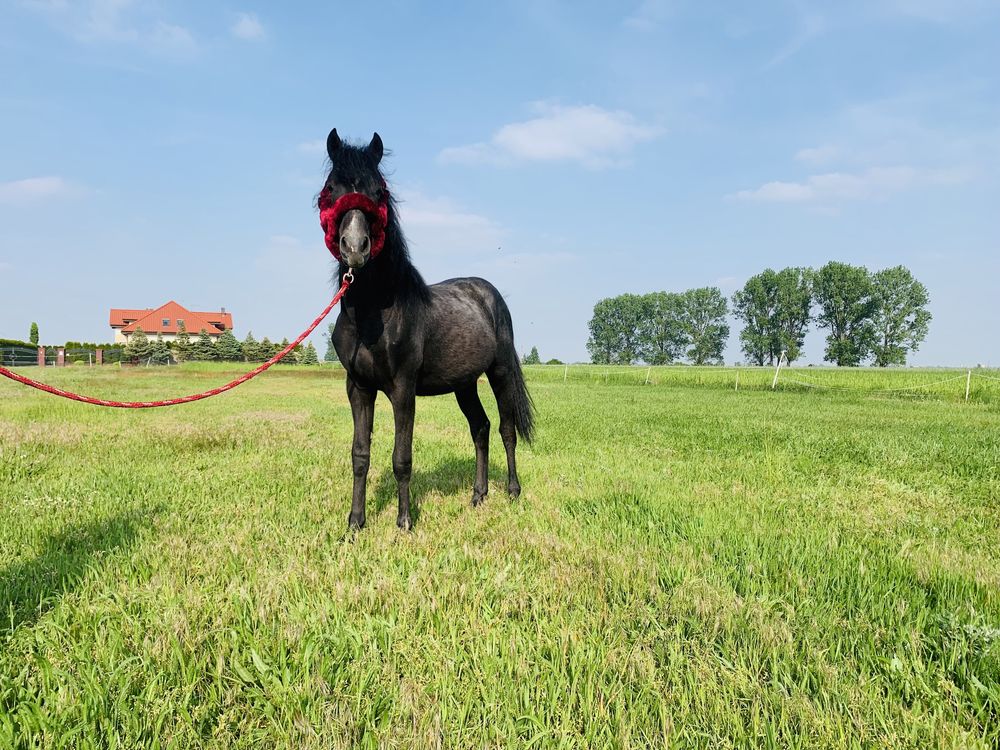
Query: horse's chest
<point x="371" y="351"/>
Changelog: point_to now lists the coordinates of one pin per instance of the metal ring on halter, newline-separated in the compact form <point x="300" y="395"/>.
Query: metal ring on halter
<point x="349" y="276"/>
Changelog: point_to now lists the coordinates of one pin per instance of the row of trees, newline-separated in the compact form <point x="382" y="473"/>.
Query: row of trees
<point x="879" y="317"/>
<point x="660" y="328"/>
<point x="203" y="348"/>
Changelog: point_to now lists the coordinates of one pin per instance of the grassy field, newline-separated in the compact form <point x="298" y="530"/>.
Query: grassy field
<point x="689" y="566"/>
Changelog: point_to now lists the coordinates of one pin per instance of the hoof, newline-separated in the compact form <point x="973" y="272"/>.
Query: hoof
<point x="478" y="498"/>
<point x="404" y="523"/>
<point x="514" y="490"/>
<point x="355" y="523"/>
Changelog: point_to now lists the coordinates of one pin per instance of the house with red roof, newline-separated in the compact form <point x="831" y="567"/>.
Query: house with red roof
<point x="166" y="320"/>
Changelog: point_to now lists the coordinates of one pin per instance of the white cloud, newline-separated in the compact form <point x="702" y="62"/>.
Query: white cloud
<point x="132" y="22"/>
<point x="35" y="189"/>
<point x="587" y="134"/>
<point x="875" y="183"/>
<point x="649" y="15"/>
<point x="312" y="147"/>
<point x="817" y="156"/>
<point x="809" y="26"/>
<point x="436" y="224"/>
<point x="248" y="26"/>
<point x="171" y="39"/>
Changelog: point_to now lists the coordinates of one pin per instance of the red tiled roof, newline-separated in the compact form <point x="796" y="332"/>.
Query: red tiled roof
<point x="151" y="321"/>
<point x="119" y="316"/>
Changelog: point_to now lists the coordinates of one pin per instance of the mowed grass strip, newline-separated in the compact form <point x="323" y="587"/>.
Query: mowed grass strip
<point x="687" y="566"/>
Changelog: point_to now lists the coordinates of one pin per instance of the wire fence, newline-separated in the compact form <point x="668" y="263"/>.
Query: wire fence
<point x="980" y="384"/>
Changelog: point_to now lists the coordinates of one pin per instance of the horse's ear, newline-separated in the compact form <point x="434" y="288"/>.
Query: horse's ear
<point x="375" y="149"/>
<point x="332" y="144"/>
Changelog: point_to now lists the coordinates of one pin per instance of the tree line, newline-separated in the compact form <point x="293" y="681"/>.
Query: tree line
<point x="660" y="328"/>
<point x="878" y="317"/>
<point x="203" y="348"/>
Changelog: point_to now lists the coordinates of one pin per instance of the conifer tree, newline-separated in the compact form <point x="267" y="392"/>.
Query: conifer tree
<point x="266" y="350"/>
<point x="159" y="351"/>
<point x="33" y="334"/>
<point x="228" y="348"/>
<point x="309" y="356"/>
<point x="182" y="344"/>
<point x="137" y="349"/>
<point x="204" y="347"/>
<point x="331" y="353"/>
<point x="251" y="347"/>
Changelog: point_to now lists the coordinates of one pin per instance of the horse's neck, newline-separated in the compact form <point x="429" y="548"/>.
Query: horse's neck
<point x="388" y="288"/>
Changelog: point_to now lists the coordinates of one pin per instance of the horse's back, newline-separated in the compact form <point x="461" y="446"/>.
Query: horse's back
<point x="460" y="341"/>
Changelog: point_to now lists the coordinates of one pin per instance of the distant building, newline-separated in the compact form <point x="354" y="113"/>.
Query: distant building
<point x="166" y="320"/>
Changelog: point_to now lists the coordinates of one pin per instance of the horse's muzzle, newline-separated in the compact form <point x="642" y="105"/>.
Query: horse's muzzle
<point x="355" y="240"/>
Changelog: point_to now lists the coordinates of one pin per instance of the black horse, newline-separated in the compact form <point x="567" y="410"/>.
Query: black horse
<point x="398" y="335"/>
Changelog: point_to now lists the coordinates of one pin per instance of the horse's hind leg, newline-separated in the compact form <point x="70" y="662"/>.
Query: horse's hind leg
<point x="479" y="426"/>
<point x="503" y="389"/>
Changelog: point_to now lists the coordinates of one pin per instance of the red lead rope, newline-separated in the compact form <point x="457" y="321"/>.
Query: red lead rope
<point x="196" y="396"/>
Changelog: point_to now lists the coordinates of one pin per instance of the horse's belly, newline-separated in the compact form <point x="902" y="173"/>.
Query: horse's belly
<point x="454" y="361"/>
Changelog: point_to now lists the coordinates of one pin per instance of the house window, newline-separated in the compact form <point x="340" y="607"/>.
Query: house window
<point x="166" y="322"/>
<point x="180" y="321"/>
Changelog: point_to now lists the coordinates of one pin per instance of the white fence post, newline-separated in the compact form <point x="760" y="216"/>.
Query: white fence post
<point x="565" y="373"/>
<point x="774" y="383"/>
<point x="968" y="382"/>
<point x="648" y="370"/>
<point x="737" y="379"/>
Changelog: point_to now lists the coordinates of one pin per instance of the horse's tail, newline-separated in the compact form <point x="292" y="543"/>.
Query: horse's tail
<point x="524" y="407"/>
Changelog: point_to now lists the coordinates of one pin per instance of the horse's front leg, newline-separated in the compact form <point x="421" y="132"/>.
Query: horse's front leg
<point x="363" y="410"/>
<point x="403" y="407"/>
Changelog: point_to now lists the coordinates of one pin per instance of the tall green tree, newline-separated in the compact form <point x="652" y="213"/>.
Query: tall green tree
<point x="204" y="348"/>
<point x="251" y="348"/>
<point x="703" y="317"/>
<point x="846" y="307"/>
<point x="662" y="337"/>
<point x="228" y="348"/>
<point x="532" y="357"/>
<point x="793" y="310"/>
<point x="159" y="351"/>
<point x="309" y="356"/>
<point x="182" y="344"/>
<point x="266" y="350"/>
<point x="614" y="330"/>
<point x="137" y="349"/>
<point x="775" y="307"/>
<point x="331" y="353"/>
<point x="33" y="335"/>
<point x="901" y="319"/>
<point x="756" y="304"/>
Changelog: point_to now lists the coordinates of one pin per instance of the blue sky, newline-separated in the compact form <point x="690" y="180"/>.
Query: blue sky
<point x="566" y="151"/>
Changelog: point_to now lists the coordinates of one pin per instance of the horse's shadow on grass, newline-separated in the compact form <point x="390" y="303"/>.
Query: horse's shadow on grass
<point x="455" y="474"/>
<point x="30" y="588"/>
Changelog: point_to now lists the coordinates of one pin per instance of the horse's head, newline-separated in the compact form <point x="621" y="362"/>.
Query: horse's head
<point x="354" y="201"/>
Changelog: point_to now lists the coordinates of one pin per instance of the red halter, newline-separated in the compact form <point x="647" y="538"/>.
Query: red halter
<point x="331" y="212"/>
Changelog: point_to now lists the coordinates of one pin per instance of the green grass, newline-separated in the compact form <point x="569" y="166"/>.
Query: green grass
<point x="689" y="566"/>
